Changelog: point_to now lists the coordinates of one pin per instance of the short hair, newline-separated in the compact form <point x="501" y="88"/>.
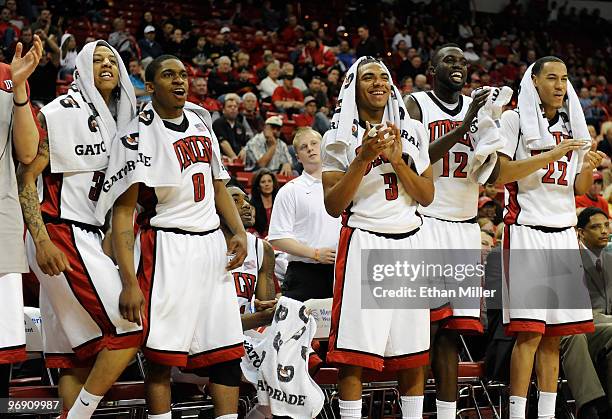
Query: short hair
<point x="539" y="64"/>
<point x="302" y="132"/>
<point x="224" y="58"/>
<point x="436" y="55"/>
<point x="364" y="26"/>
<point x="249" y="94"/>
<point x="231" y="97"/>
<point x="585" y="216"/>
<point x="155" y="65"/>
<point x="272" y="66"/>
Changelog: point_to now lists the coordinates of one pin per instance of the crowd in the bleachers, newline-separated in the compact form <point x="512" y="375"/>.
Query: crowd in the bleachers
<point x="266" y="70"/>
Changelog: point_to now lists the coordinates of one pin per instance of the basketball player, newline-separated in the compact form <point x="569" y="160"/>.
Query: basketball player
<point x="23" y="141"/>
<point x="254" y="278"/>
<point x="378" y="189"/>
<point x="451" y="218"/>
<point x="540" y="214"/>
<point x="192" y="312"/>
<point x="80" y="285"/>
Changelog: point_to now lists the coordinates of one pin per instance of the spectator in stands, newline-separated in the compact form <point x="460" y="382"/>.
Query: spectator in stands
<point x="8" y="32"/>
<point x="301" y="227"/>
<point x="267" y="150"/>
<point x="42" y="80"/>
<point x="68" y="54"/>
<point x="490" y="190"/>
<point x="286" y="98"/>
<point x="199" y="95"/>
<point x="412" y="67"/>
<point x="179" y="20"/>
<point x="221" y="80"/>
<point x="292" y="31"/>
<point x="464" y="29"/>
<point x="470" y="54"/>
<point x="44" y="23"/>
<point x="263" y="193"/>
<point x="270" y="17"/>
<point x="249" y="115"/>
<point x="137" y="79"/>
<point x="200" y="53"/>
<point x="19" y="21"/>
<point x="368" y="45"/>
<point x="220" y="47"/>
<point x="271" y="82"/>
<point x="147" y="20"/>
<point x="177" y="46"/>
<point x="605" y="144"/>
<point x="489" y="208"/>
<point x="585" y="99"/>
<point x="333" y="84"/>
<point x="593" y="197"/>
<point x="167" y="31"/>
<point x="298" y="82"/>
<point x="406" y="86"/>
<point x="121" y="40"/>
<point x="339" y="36"/>
<point x="311" y="117"/>
<point x="586" y="358"/>
<point x="316" y="58"/>
<point x="149" y="47"/>
<point x="316" y="89"/>
<point x="420" y="83"/>
<point x="230" y="132"/>
<point x="402" y="35"/>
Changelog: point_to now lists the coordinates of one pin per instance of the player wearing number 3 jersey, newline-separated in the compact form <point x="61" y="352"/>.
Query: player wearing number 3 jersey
<point x="80" y="287"/>
<point x="377" y="180"/>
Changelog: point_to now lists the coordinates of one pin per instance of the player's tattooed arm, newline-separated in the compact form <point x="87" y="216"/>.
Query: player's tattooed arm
<point x="50" y="259"/>
<point x="131" y="299"/>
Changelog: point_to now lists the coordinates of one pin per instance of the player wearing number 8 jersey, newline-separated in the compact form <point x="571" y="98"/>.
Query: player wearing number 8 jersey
<point x="176" y="177"/>
<point x="544" y="163"/>
<point x="377" y="179"/>
<point x="80" y="286"/>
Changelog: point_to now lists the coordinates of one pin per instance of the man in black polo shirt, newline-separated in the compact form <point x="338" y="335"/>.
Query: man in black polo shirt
<point x="229" y="131"/>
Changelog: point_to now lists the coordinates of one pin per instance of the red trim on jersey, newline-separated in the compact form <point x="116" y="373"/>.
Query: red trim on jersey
<point x="13" y="354"/>
<point x="79" y="280"/>
<point x="148" y="201"/>
<point x="440" y="313"/>
<point x="340" y="269"/>
<point x="215" y="356"/>
<point x="146" y="273"/>
<point x="168" y="358"/>
<point x="539" y="326"/>
<point x="52" y="193"/>
<point x="465" y="325"/>
<point x="402" y="362"/>
<point x="506" y="255"/>
<point x="67" y="361"/>
<point x="513" y="208"/>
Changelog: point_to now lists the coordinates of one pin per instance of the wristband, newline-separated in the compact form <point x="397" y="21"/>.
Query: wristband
<point x="21" y="104"/>
<point x="317" y="256"/>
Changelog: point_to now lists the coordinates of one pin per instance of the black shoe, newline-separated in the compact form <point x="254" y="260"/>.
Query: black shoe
<point x="588" y="411"/>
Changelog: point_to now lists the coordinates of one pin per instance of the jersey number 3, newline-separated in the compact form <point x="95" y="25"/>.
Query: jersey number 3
<point x="390" y="179"/>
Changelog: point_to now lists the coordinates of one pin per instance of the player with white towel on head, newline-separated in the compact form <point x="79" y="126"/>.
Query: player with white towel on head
<point x="377" y="177"/>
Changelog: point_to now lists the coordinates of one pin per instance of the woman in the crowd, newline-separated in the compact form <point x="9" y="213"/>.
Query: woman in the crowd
<point x="265" y="187"/>
<point x="68" y="55"/>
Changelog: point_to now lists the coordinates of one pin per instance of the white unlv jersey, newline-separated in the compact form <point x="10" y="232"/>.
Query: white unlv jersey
<point x="71" y="196"/>
<point x="381" y="204"/>
<point x="545" y="197"/>
<point x="456" y="197"/>
<point x="245" y="276"/>
<point x="190" y="206"/>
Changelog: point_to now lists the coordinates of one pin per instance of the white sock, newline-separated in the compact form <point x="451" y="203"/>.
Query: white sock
<point x="167" y="415"/>
<point x="412" y="407"/>
<point x="446" y="410"/>
<point x="350" y="409"/>
<point x="230" y="416"/>
<point x="546" y="405"/>
<point x="518" y="405"/>
<point x="84" y="406"/>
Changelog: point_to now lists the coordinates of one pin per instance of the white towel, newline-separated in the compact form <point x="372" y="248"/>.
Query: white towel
<point x="484" y="134"/>
<point x="534" y="125"/>
<point x="395" y="112"/>
<point x="80" y="125"/>
<point x="151" y="162"/>
<point x="283" y="381"/>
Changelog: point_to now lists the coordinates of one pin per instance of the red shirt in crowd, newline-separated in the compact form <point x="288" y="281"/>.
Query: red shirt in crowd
<point x="208" y="103"/>
<point x="584" y="201"/>
<point x="303" y="120"/>
<point x="280" y="93"/>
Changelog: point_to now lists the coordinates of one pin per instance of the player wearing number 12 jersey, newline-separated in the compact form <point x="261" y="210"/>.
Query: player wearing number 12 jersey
<point x="450" y="220"/>
<point x="80" y="286"/>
